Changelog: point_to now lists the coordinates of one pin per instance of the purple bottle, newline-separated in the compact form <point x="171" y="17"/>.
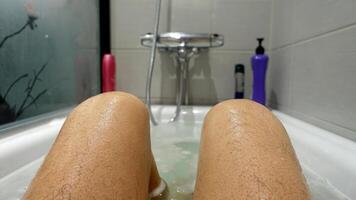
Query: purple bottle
<point x="259" y="66"/>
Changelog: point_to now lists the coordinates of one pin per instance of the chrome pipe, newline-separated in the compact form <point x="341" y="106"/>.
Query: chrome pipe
<point x="186" y="84"/>
<point x="180" y="89"/>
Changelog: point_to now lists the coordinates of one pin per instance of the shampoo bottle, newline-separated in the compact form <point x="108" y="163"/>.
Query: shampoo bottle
<point x="259" y="67"/>
<point x="108" y="73"/>
<point x="239" y="81"/>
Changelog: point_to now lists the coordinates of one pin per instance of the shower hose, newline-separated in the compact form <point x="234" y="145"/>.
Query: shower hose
<point x="152" y="62"/>
<point x="180" y="70"/>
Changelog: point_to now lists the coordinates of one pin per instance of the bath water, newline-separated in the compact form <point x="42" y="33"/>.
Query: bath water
<point x="176" y="148"/>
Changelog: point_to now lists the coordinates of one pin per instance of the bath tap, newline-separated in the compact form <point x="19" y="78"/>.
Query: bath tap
<point x="182" y="47"/>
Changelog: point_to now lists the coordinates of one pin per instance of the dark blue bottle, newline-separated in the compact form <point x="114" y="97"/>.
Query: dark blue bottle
<point x="239" y="81"/>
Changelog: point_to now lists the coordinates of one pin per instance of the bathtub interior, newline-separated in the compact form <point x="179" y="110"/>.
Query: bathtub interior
<point x="176" y="147"/>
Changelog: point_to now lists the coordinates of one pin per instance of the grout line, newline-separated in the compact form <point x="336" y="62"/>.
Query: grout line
<point x="211" y="16"/>
<point x="130" y="49"/>
<point x="232" y="51"/>
<point x="317" y="36"/>
<point x="169" y="15"/>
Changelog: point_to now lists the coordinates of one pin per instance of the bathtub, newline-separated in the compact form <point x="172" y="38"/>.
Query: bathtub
<point x="328" y="160"/>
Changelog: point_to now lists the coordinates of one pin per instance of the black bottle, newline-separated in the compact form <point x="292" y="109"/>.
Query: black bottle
<point x="239" y="81"/>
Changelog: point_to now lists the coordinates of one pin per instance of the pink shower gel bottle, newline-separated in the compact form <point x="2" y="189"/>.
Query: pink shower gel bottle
<point x="108" y="73"/>
<point x="259" y="66"/>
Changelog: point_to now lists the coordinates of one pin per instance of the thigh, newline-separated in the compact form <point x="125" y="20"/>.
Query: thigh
<point x="102" y="152"/>
<point x="245" y="153"/>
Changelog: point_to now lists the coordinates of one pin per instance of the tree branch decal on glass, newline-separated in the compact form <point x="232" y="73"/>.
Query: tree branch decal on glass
<point x="31" y="22"/>
<point x="9" y="113"/>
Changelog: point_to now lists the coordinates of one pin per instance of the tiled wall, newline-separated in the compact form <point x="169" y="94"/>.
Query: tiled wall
<point x="313" y="68"/>
<point x="312" y="47"/>
<point x="212" y="73"/>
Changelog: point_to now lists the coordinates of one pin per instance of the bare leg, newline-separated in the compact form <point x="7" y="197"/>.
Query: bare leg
<point x="103" y="151"/>
<point x="245" y="153"/>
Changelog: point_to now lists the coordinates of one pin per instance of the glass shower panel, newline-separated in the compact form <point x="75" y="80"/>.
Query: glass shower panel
<point x="49" y="56"/>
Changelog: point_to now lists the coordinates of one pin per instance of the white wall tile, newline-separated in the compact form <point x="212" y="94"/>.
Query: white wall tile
<point x="168" y="79"/>
<point x="298" y="20"/>
<point x="241" y="22"/>
<point x="132" y="18"/>
<point x="313" y="64"/>
<point x="282" y="22"/>
<point x="279" y="78"/>
<point x="131" y="72"/>
<point x="324" y="80"/>
<point x="201" y="81"/>
<point x="313" y="17"/>
<point x="192" y="16"/>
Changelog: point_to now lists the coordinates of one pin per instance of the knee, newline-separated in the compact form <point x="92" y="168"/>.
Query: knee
<point x="239" y="116"/>
<point x="110" y="109"/>
<point x="241" y="109"/>
<point x="112" y="102"/>
<point x="244" y="145"/>
<point x="116" y="99"/>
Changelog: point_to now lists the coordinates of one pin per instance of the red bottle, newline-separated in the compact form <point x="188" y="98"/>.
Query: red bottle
<point x="108" y="73"/>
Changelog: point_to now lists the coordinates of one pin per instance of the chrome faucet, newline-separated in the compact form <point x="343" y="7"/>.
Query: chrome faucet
<point x="183" y="47"/>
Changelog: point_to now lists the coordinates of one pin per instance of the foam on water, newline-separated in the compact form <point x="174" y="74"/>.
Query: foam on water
<point x="176" y="148"/>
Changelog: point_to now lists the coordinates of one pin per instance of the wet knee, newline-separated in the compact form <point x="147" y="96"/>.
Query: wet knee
<point x="240" y="115"/>
<point x="112" y="103"/>
<point x="242" y="109"/>
<point x="113" y="110"/>
<point x="244" y="146"/>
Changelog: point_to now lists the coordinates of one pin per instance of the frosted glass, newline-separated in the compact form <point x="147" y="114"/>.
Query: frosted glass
<point x="62" y="36"/>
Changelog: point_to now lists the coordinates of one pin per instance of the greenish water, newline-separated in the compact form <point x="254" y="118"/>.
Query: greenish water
<point x="176" y="153"/>
<point x="176" y="148"/>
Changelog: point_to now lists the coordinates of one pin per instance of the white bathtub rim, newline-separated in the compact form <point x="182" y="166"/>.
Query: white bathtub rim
<point x="17" y="150"/>
<point x="325" y="152"/>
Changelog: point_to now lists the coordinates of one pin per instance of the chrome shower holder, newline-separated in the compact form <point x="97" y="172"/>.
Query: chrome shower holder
<point x="183" y="47"/>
